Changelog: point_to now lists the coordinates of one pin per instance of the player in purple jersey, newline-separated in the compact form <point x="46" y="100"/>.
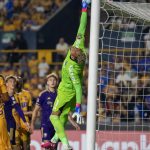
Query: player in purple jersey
<point x="45" y="102"/>
<point x="8" y="107"/>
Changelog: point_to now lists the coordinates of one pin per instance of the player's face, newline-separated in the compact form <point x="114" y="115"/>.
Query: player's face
<point x="75" y="52"/>
<point x="52" y="82"/>
<point x="11" y="83"/>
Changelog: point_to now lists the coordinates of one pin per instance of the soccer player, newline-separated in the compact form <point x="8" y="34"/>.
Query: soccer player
<point x="4" y="137"/>
<point x="25" y="102"/>
<point x="8" y="107"/>
<point x="45" y="103"/>
<point x="70" y="89"/>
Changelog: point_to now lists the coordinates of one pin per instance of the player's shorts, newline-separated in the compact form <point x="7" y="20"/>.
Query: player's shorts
<point x="65" y="102"/>
<point x="4" y="137"/>
<point x="47" y="132"/>
<point x="11" y="127"/>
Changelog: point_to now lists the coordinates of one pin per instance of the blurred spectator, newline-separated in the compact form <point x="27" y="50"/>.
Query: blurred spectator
<point x="9" y="8"/>
<point x="2" y="4"/>
<point x="111" y="91"/>
<point x="12" y="56"/>
<point x="63" y="46"/>
<point x="43" y="67"/>
<point x="9" y="26"/>
<point x="18" y="15"/>
<point x="123" y="78"/>
<point x="24" y="68"/>
<point x="57" y="70"/>
<point x="20" y="41"/>
<point x="147" y="43"/>
<point x="33" y="64"/>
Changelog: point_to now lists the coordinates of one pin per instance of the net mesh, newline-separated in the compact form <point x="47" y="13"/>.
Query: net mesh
<point x="123" y="115"/>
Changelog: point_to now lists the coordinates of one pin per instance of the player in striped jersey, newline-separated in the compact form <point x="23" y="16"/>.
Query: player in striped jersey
<point x="4" y="137"/>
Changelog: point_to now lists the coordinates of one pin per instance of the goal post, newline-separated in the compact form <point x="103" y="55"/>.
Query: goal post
<point x="118" y="111"/>
<point x="92" y="80"/>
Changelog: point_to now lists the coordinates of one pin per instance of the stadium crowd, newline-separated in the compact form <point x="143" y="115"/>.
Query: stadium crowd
<point x="139" y="1"/>
<point x="26" y="14"/>
<point x="124" y="88"/>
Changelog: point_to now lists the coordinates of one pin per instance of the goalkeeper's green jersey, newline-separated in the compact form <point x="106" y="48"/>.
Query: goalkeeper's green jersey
<point x="72" y="72"/>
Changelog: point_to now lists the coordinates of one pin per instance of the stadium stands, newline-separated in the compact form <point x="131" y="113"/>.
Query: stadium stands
<point x="26" y="14"/>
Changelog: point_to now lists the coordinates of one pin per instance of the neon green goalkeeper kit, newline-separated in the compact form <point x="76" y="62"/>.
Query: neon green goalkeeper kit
<point x="72" y="73"/>
<point x="70" y="88"/>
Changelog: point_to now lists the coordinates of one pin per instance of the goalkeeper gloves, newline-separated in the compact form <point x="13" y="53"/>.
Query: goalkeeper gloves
<point x="76" y="114"/>
<point x="86" y="1"/>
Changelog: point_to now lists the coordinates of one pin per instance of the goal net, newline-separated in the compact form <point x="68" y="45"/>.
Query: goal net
<point x="123" y="117"/>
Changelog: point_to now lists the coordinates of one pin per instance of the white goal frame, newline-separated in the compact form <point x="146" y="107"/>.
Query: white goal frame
<point x="92" y="77"/>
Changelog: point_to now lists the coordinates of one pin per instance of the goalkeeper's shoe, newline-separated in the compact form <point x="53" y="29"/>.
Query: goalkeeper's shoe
<point x="49" y="145"/>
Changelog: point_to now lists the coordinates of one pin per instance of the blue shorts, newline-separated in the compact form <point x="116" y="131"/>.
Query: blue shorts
<point x="11" y="127"/>
<point x="47" y="131"/>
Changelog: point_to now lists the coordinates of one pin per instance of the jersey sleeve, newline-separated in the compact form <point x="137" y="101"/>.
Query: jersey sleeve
<point x="75" y="78"/>
<point x="83" y="23"/>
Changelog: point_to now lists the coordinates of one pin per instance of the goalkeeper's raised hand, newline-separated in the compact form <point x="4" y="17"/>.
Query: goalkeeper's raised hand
<point x="86" y="1"/>
<point x="85" y="5"/>
<point x="77" y="116"/>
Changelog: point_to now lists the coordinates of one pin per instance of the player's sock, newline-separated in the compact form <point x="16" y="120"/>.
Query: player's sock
<point x="55" y="138"/>
<point x="59" y="128"/>
<point x="64" y="141"/>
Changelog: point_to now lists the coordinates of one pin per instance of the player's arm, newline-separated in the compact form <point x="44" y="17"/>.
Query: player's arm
<point x="19" y="111"/>
<point x="16" y="117"/>
<point x="3" y="90"/>
<point x="83" y="20"/>
<point x="21" y="114"/>
<point x="29" y="112"/>
<point x="34" y="116"/>
<point x="74" y="76"/>
<point x="35" y="111"/>
<point x="79" y="42"/>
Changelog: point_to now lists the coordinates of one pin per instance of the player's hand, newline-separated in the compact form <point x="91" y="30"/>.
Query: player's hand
<point x="79" y="118"/>
<point x="77" y="115"/>
<point x="27" y="127"/>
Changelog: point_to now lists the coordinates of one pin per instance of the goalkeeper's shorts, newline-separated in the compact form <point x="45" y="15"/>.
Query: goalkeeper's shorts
<point x="65" y="102"/>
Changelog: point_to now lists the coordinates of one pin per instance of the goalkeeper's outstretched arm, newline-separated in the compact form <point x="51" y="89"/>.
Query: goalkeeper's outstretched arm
<point x="79" y="42"/>
<point x="83" y="20"/>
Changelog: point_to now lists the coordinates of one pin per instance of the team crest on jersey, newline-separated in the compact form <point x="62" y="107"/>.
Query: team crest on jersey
<point x="45" y="135"/>
<point x="48" y="98"/>
<point x="24" y="104"/>
<point x="14" y="102"/>
<point x="50" y="103"/>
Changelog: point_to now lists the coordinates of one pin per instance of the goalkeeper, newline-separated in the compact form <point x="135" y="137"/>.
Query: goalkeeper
<point x="70" y="88"/>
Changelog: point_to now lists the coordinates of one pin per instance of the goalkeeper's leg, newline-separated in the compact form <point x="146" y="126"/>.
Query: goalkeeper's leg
<point x="59" y="121"/>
